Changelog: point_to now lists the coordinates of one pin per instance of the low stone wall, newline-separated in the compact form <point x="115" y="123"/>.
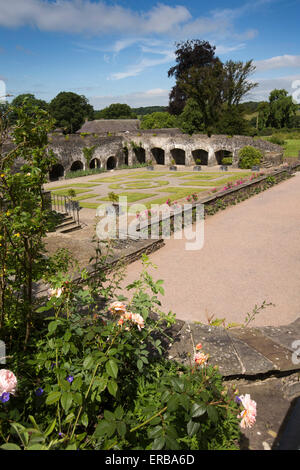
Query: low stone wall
<point x="221" y="200"/>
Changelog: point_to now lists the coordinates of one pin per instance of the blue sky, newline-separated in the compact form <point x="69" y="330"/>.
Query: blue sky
<point x="121" y="51"/>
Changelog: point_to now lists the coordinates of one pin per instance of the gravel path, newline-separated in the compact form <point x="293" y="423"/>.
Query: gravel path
<point x="251" y="254"/>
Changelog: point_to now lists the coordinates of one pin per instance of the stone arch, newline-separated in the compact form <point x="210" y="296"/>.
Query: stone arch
<point x="57" y="171"/>
<point x="111" y="163"/>
<point x="95" y="163"/>
<point x="140" y="154"/>
<point x="159" y="155"/>
<point x="178" y="155"/>
<point x="200" y="154"/>
<point x="77" y="165"/>
<point x="220" y="154"/>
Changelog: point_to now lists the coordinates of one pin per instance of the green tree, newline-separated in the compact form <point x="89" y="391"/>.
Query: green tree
<point x="116" y="111"/>
<point x="159" y="120"/>
<point x="205" y="86"/>
<point x="25" y="217"/>
<point x="191" y="53"/>
<point x="281" y="109"/>
<point x="191" y="119"/>
<point x="70" y="111"/>
<point x="30" y="100"/>
<point x="236" y="83"/>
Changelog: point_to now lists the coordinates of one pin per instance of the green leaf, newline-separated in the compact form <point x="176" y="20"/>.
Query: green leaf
<point x="10" y="447"/>
<point x="112" y="368"/>
<point x="37" y="447"/>
<point x="105" y="428"/>
<point x="173" y="403"/>
<point x="119" y="412"/>
<point x="88" y="363"/>
<point x="212" y="413"/>
<point x="158" y="443"/>
<point x="112" y="387"/>
<point x="66" y="400"/>
<point x="121" y="428"/>
<point x="84" y="420"/>
<point x="198" y="409"/>
<point x="140" y="364"/>
<point x="192" y="428"/>
<point x="52" y="326"/>
<point x="155" y="432"/>
<point x="50" y="428"/>
<point x="52" y="398"/>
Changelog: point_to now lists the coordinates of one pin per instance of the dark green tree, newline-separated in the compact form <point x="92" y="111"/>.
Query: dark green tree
<point x="31" y="101"/>
<point x="205" y="86"/>
<point x="116" y="111"/>
<point x="191" y="119"/>
<point x="159" y="120"/>
<point x="236" y="83"/>
<point x="70" y="111"/>
<point x="281" y="109"/>
<point x="192" y="53"/>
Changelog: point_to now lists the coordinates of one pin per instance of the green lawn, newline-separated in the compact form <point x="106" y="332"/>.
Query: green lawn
<point x="292" y="148"/>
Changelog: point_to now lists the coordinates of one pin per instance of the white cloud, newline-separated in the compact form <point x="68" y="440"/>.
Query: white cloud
<point x="135" y="69"/>
<point x="86" y="16"/>
<point x="154" y="97"/>
<point x="278" y="62"/>
<point x="266" y="85"/>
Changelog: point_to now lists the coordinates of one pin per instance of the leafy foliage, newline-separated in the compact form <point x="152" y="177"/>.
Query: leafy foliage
<point x="249" y="156"/>
<point x="70" y="111"/>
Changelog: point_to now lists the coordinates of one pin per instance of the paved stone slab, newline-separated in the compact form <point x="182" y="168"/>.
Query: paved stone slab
<point x="252" y="361"/>
<point x="280" y="356"/>
<point x="283" y="335"/>
<point x="215" y="341"/>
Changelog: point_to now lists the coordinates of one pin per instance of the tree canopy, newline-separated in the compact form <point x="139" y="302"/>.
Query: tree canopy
<point x="116" y="111"/>
<point x="217" y="88"/>
<point x="159" y="120"/>
<point x="278" y="112"/>
<point x="70" y="111"/>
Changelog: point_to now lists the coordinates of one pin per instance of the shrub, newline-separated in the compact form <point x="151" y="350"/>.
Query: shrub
<point x="227" y="161"/>
<point x="249" y="156"/>
<point x="275" y="139"/>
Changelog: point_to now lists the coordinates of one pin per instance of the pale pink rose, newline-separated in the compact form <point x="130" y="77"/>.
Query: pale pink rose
<point x="201" y="358"/>
<point x="138" y="320"/>
<point x="248" y="415"/>
<point x="55" y="292"/>
<point x="117" y="308"/>
<point x="8" y="382"/>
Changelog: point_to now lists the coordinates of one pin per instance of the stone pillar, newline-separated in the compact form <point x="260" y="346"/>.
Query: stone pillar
<point x="131" y="156"/>
<point x="235" y="158"/>
<point x="168" y="157"/>
<point x="148" y="155"/>
<point x="188" y="157"/>
<point x="212" y="161"/>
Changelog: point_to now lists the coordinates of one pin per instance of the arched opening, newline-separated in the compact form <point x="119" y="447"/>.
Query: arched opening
<point x="95" y="163"/>
<point x="220" y="154"/>
<point x="56" y="172"/>
<point x="140" y="154"/>
<point x="159" y="155"/>
<point x="200" y="157"/>
<point x="125" y="155"/>
<point x="111" y="163"/>
<point x="179" y="156"/>
<point x="78" y="165"/>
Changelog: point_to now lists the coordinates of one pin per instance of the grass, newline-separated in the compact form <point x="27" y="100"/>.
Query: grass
<point x="133" y="197"/>
<point x="139" y="185"/>
<point x="65" y="192"/>
<point x="75" y="185"/>
<point x="291" y="148"/>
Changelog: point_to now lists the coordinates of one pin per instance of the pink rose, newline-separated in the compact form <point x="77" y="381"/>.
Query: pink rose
<point x="8" y="382"/>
